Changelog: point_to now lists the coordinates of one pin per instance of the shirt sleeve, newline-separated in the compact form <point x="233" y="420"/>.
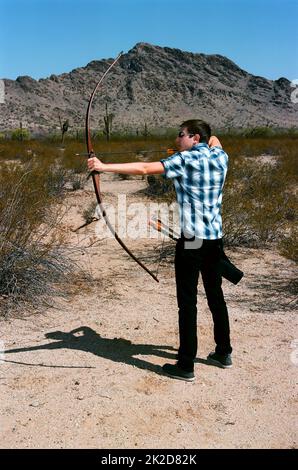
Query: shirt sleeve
<point x="174" y="165"/>
<point x="219" y="152"/>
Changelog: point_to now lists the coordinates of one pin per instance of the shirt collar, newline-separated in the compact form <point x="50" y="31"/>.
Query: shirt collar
<point x="200" y="145"/>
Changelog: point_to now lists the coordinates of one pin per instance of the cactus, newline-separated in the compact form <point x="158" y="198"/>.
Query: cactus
<point x="108" y="119"/>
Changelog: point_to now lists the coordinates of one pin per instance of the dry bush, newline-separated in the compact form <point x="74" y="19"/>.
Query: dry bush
<point x="76" y="181"/>
<point x="257" y="204"/>
<point x="89" y="213"/>
<point x="73" y="162"/>
<point x="65" y="166"/>
<point x="288" y="246"/>
<point x="33" y="262"/>
<point x="24" y="151"/>
<point x="160" y="187"/>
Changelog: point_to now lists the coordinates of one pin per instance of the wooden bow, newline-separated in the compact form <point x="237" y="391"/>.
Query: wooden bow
<point x="95" y="175"/>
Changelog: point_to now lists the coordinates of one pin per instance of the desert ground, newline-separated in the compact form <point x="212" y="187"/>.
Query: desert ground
<point x="87" y="374"/>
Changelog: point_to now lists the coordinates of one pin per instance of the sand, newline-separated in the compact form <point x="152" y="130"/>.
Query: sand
<point x="88" y="373"/>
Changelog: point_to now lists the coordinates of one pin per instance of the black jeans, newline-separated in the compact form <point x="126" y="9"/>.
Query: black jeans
<point x="188" y="264"/>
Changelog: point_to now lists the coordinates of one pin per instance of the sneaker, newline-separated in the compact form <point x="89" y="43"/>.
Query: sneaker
<point x="175" y="372"/>
<point x="221" y="360"/>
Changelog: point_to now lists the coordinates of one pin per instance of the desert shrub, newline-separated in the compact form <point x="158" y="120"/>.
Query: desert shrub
<point x="20" y="134"/>
<point x="56" y="180"/>
<point x="33" y="262"/>
<point x="89" y="212"/>
<point x="72" y="161"/>
<point x="76" y="181"/>
<point x="160" y="187"/>
<point x="257" y="203"/>
<point x="28" y="150"/>
<point x="259" y="132"/>
<point x="124" y="177"/>
<point x="288" y="245"/>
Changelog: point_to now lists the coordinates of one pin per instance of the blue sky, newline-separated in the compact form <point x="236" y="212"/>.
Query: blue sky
<point x="41" y="37"/>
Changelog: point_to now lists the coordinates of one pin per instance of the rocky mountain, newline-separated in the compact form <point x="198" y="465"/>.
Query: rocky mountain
<point x="155" y="85"/>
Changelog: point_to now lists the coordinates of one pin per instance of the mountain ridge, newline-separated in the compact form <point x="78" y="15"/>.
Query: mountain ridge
<point x="159" y="86"/>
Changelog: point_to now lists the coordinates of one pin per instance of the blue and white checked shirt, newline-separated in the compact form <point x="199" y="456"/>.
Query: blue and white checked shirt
<point x="199" y="175"/>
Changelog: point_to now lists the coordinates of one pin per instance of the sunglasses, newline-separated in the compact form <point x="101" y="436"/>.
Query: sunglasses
<point x="182" y="134"/>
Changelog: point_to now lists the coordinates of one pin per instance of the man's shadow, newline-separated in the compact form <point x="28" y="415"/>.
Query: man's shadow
<point x="116" y="349"/>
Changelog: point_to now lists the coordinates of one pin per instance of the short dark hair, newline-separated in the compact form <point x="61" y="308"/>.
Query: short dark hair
<point x="196" y="126"/>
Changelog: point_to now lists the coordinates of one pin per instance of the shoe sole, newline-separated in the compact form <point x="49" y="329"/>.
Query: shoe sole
<point x="191" y="379"/>
<point x="219" y="364"/>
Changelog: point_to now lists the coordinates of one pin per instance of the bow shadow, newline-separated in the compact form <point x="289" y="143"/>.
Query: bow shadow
<point x="116" y="349"/>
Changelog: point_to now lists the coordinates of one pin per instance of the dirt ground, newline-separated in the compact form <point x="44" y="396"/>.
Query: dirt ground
<point x="88" y="373"/>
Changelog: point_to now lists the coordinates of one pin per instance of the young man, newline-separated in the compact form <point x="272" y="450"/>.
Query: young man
<point x="198" y="171"/>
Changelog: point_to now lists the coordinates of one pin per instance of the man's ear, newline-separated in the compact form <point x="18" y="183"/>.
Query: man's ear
<point x="197" y="137"/>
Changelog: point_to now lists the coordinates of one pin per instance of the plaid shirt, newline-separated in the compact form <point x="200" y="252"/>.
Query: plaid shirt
<point x="199" y="175"/>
